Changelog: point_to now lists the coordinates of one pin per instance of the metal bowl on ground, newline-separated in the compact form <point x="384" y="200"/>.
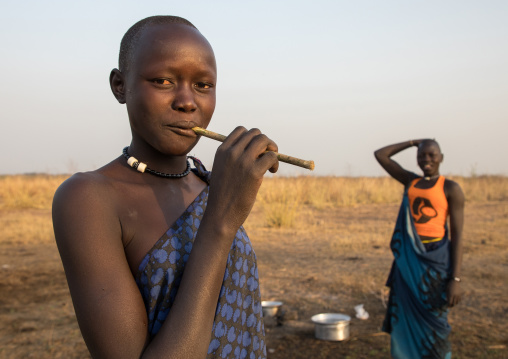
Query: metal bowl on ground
<point x="331" y="326"/>
<point x="270" y="308"/>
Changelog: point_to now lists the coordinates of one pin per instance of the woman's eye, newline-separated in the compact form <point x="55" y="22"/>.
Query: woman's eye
<point x="162" y="82"/>
<point x="204" y="86"/>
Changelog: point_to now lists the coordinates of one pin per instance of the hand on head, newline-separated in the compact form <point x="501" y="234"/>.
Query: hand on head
<point x="417" y="142"/>
<point x="425" y="141"/>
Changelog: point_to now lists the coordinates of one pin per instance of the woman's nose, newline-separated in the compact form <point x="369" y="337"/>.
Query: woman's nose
<point x="184" y="99"/>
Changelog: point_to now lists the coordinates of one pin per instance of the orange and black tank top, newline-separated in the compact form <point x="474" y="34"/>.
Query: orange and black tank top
<point x="429" y="208"/>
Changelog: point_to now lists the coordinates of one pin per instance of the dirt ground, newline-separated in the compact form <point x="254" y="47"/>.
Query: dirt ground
<point x="333" y="260"/>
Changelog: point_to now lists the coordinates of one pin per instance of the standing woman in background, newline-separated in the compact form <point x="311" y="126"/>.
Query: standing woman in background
<point x="425" y="277"/>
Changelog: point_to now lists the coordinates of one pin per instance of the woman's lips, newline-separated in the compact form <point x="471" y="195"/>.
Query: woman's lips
<point x="183" y="130"/>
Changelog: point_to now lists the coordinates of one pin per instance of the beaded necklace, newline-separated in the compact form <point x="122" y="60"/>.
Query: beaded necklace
<point x="431" y="177"/>
<point x="142" y="167"/>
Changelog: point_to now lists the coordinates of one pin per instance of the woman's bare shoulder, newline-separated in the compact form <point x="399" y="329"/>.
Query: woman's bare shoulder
<point x="87" y="185"/>
<point x="453" y="190"/>
<point x="86" y="197"/>
<point x="81" y="186"/>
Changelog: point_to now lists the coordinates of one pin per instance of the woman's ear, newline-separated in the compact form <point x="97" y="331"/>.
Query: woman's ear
<point x="117" y="83"/>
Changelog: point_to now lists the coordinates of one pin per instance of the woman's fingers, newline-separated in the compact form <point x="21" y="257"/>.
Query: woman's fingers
<point x="253" y="145"/>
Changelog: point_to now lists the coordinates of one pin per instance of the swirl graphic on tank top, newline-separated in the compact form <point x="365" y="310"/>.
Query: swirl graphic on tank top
<point x="423" y="211"/>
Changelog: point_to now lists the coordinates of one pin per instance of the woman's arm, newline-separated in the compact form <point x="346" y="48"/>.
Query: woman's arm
<point x="383" y="156"/>
<point x="455" y="198"/>
<point x="108" y="305"/>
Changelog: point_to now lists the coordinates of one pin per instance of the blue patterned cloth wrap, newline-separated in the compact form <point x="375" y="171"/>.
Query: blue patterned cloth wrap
<point x="417" y="313"/>
<point x="238" y="328"/>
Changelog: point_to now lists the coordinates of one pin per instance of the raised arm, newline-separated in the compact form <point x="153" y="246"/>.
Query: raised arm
<point x="383" y="156"/>
<point x="455" y="198"/>
<point x="109" y="307"/>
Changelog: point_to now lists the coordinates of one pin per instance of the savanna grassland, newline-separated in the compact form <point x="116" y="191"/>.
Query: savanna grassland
<point x="322" y="246"/>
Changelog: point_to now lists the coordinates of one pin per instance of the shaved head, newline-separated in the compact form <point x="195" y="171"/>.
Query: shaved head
<point x="131" y="38"/>
<point x="426" y="143"/>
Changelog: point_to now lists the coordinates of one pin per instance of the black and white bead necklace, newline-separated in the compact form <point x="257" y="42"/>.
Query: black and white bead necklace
<point x="142" y="167"/>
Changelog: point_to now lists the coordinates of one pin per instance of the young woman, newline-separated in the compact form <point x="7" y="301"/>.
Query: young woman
<point x="156" y="258"/>
<point x="425" y="277"/>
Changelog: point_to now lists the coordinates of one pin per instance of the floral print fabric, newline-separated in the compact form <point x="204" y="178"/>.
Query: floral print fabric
<point x="238" y="329"/>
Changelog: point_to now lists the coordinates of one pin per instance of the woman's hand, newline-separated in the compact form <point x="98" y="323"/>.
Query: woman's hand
<point x="238" y="169"/>
<point x="417" y="142"/>
<point x="453" y="293"/>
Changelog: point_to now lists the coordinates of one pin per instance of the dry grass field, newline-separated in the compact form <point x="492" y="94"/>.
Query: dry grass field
<point x="322" y="246"/>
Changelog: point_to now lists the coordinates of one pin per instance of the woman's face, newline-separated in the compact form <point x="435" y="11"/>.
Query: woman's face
<point x="170" y="87"/>
<point x="429" y="157"/>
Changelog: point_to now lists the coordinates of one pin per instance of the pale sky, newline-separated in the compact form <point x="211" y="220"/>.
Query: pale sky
<point x="330" y="81"/>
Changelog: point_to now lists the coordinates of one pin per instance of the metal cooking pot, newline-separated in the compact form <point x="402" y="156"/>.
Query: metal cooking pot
<point x="331" y="326"/>
<point x="270" y="308"/>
